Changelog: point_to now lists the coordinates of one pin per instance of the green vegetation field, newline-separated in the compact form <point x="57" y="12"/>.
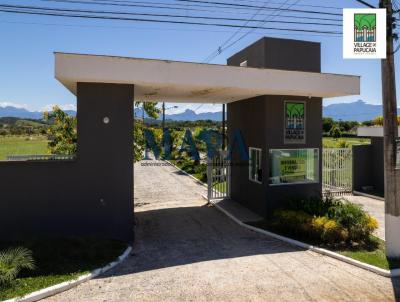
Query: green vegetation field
<point x="343" y="142"/>
<point x="22" y="145"/>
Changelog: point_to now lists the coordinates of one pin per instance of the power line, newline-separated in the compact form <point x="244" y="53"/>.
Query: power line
<point x="264" y="8"/>
<point x="138" y="5"/>
<point x="365" y="3"/>
<point x="159" y="15"/>
<point x="297" y="5"/>
<point x="150" y="28"/>
<point x="222" y="49"/>
<point x="202" y="3"/>
<point x="70" y="15"/>
<point x="215" y="53"/>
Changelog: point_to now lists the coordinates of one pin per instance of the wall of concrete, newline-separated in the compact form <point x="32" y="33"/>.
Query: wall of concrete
<point x="285" y="54"/>
<point x="249" y="118"/>
<point x="92" y="195"/>
<point x="368" y="169"/>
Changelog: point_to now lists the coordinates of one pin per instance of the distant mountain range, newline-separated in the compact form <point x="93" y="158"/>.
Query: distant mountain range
<point x="355" y="111"/>
<point x="187" y="115"/>
<point x="10" y="111"/>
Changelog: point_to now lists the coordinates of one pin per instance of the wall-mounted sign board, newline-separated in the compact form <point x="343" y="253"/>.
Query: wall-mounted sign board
<point x="295" y="122"/>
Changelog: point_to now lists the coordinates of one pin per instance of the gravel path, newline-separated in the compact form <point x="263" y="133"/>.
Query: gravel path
<point x="188" y="251"/>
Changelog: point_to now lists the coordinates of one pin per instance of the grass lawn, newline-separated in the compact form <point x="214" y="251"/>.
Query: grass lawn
<point x="22" y="145"/>
<point x="59" y="260"/>
<point x="220" y="186"/>
<point x="330" y="142"/>
<point x="373" y="253"/>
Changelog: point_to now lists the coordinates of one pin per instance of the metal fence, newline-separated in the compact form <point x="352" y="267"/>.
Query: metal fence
<point x="37" y="157"/>
<point x="337" y="174"/>
<point x="218" y="177"/>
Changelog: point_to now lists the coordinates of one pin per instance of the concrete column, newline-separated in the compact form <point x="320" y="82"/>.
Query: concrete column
<point x="105" y="155"/>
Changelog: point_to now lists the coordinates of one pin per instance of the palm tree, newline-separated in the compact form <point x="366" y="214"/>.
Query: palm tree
<point x="12" y="261"/>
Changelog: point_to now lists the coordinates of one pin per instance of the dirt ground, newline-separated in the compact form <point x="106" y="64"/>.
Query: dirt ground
<point x="187" y="251"/>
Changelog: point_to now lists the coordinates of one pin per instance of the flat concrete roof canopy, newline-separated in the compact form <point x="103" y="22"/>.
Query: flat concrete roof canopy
<point x="170" y="81"/>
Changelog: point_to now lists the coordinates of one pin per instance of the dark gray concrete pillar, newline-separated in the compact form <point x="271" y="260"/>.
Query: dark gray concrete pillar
<point x="105" y="152"/>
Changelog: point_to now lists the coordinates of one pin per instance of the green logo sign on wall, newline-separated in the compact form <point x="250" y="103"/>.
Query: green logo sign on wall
<point x="295" y="120"/>
<point x="364" y="27"/>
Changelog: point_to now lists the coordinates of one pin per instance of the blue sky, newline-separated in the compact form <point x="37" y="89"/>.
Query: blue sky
<point x="28" y="42"/>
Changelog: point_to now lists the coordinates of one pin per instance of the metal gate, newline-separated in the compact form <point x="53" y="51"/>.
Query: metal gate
<point x="218" y="176"/>
<point x="337" y="173"/>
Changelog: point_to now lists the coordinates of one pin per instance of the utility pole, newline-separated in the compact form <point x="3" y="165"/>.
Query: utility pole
<point x="223" y="127"/>
<point x="163" y="117"/>
<point x="144" y="136"/>
<point x="390" y="134"/>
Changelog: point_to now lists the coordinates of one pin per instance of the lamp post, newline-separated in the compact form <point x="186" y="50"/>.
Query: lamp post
<point x="163" y="114"/>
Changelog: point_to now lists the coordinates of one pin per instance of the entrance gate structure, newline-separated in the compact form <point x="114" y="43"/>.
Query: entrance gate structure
<point x="218" y="176"/>
<point x="92" y="194"/>
<point x="337" y="171"/>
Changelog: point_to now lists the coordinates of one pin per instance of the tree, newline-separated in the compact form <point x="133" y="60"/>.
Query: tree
<point x="335" y="131"/>
<point x="139" y="143"/>
<point x="12" y="261"/>
<point x="327" y="124"/>
<point x="378" y="121"/>
<point x="62" y="132"/>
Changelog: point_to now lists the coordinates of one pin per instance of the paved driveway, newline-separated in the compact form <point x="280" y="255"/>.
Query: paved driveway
<point x="187" y="251"/>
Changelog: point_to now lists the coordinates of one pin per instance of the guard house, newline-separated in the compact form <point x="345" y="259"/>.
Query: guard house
<point x="283" y="132"/>
<point x="274" y="103"/>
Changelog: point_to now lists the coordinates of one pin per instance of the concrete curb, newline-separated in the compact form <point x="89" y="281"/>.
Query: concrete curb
<point x="187" y="174"/>
<point x="374" y="269"/>
<point x="357" y="193"/>
<point x="58" y="288"/>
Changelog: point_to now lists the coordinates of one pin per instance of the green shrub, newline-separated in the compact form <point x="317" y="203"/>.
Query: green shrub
<point x="333" y="232"/>
<point x="327" y="230"/>
<point x="297" y="222"/>
<point x="315" y="206"/>
<point x="351" y="216"/>
<point x="328" y="220"/>
<point x="12" y="261"/>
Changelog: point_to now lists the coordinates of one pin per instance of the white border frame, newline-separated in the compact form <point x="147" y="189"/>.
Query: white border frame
<point x="260" y="159"/>
<point x="294" y="183"/>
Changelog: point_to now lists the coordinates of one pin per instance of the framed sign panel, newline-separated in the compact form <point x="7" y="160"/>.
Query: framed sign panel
<point x="293" y="166"/>
<point x="295" y="122"/>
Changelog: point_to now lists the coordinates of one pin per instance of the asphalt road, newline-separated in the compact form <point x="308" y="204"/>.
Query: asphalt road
<point x="188" y="251"/>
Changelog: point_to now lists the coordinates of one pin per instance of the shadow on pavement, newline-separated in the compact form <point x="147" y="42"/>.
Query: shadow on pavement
<point x="178" y="236"/>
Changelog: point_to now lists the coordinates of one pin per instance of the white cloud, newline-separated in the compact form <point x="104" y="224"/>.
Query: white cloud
<point x="6" y="104"/>
<point x="49" y="107"/>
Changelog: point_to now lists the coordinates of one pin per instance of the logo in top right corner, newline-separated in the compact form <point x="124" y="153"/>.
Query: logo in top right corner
<point x="365" y="29"/>
<point x="364" y="33"/>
